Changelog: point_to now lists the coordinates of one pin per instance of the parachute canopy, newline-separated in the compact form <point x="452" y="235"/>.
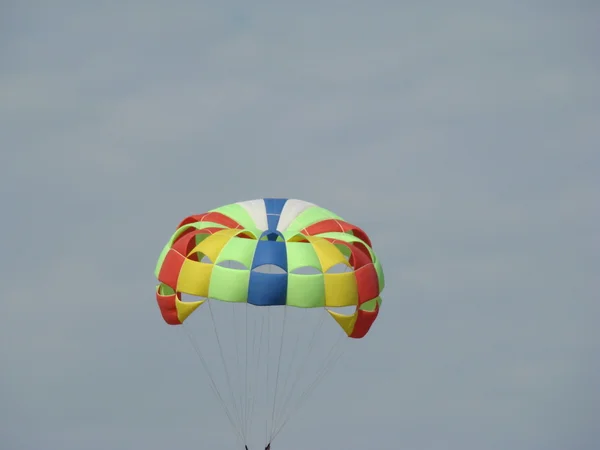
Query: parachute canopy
<point x="271" y="252"/>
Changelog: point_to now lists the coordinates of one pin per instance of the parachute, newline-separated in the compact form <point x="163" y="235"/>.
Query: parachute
<point x="269" y="272"/>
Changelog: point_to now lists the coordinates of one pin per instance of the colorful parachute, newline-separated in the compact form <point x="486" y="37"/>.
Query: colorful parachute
<point x="267" y="253"/>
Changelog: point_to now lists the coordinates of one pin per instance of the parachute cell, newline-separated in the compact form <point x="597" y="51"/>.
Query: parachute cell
<point x="288" y="234"/>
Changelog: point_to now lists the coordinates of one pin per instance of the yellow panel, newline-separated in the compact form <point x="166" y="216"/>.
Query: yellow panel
<point x="213" y="244"/>
<point x="340" y="289"/>
<point x="328" y="253"/>
<point x="346" y="322"/>
<point x="184" y="309"/>
<point x="194" y="278"/>
<point x="297" y="238"/>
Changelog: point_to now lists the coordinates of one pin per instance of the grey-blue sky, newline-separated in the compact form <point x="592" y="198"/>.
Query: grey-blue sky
<point x="464" y="137"/>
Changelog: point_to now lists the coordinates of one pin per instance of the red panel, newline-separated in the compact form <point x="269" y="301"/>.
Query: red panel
<point x="168" y="308"/>
<point x="324" y="226"/>
<point x="192" y="219"/>
<point x="215" y="217"/>
<point x="358" y="258"/>
<point x="185" y="243"/>
<point x="363" y="248"/>
<point x="171" y="266"/>
<point x="334" y="225"/>
<point x="363" y="323"/>
<point x="185" y="232"/>
<point x="221" y="219"/>
<point x="211" y="230"/>
<point x="367" y="283"/>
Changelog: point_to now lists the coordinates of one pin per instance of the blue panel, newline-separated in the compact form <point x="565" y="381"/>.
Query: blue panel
<point x="272" y="221"/>
<point x="267" y="289"/>
<point x="270" y="252"/>
<point x="274" y="206"/>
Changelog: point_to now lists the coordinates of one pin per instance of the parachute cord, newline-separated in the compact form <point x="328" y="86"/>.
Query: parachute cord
<point x="308" y="392"/>
<point x="303" y="365"/>
<point x="256" y="378"/>
<point x="287" y="377"/>
<point x="333" y="356"/>
<point x="213" y="385"/>
<point x="267" y="359"/>
<point x="237" y="355"/>
<point x="278" y="366"/>
<point x="245" y="412"/>
<point x="225" y="367"/>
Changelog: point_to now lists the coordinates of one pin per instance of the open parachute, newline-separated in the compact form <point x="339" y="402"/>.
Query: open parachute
<point x="270" y="271"/>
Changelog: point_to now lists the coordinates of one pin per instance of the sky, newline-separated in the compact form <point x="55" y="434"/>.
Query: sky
<point x="462" y="136"/>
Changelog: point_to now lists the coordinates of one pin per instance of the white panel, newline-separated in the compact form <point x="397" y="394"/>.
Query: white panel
<point x="292" y="209"/>
<point x="258" y="212"/>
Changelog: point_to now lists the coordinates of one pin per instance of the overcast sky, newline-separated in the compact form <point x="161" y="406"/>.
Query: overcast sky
<point x="463" y="136"/>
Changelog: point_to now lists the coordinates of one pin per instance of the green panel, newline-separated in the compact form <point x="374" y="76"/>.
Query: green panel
<point x="302" y="254"/>
<point x="200" y="237"/>
<point x="238" y="249"/>
<point x="163" y="289"/>
<point x="306" y="291"/>
<point x="287" y="235"/>
<point x="161" y="259"/>
<point x="380" y="275"/>
<point x="229" y="285"/>
<point x="196" y="225"/>
<point x="311" y="215"/>
<point x="344" y="250"/>
<point x="369" y="305"/>
<point x="202" y="225"/>
<point x="237" y="213"/>
<point x="348" y="238"/>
